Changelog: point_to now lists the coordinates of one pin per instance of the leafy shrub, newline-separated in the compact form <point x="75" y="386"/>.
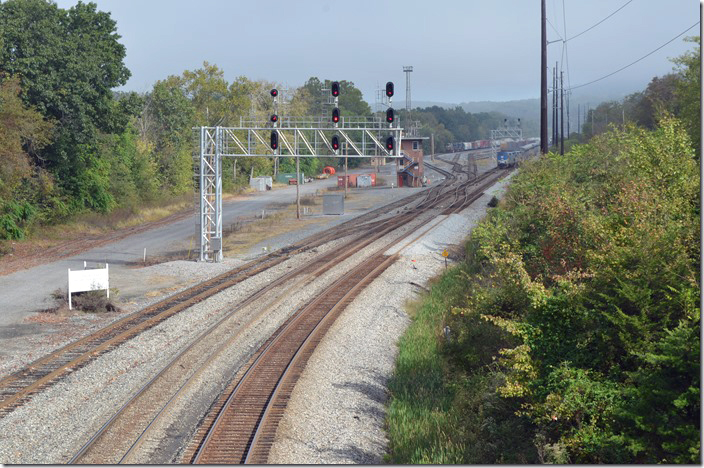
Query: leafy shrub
<point x="14" y="217"/>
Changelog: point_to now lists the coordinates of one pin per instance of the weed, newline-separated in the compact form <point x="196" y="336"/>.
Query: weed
<point x="88" y="301"/>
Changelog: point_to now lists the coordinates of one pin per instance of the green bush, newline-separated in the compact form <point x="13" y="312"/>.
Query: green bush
<point x="576" y="334"/>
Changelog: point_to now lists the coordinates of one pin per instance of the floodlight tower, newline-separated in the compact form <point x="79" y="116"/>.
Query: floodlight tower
<point x="407" y="70"/>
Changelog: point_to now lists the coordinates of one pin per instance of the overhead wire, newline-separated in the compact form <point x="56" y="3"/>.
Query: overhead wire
<point x="597" y="24"/>
<point x="633" y="63"/>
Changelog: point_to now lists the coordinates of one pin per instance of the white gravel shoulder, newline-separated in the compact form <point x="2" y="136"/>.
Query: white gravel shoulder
<point x="338" y="408"/>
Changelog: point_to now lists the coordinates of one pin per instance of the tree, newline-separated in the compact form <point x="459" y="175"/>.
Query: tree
<point x="67" y="61"/>
<point x="23" y="131"/>
<point x="689" y="91"/>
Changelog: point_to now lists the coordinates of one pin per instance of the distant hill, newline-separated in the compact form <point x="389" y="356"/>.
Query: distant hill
<point x="528" y="110"/>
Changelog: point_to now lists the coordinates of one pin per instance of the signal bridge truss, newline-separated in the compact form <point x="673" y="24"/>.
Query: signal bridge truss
<point x="503" y="133"/>
<point x="297" y="137"/>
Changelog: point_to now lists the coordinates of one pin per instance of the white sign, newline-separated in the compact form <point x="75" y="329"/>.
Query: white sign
<point x="87" y="280"/>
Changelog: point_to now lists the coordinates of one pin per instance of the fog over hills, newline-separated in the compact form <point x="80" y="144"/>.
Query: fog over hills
<point x="528" y="110"/>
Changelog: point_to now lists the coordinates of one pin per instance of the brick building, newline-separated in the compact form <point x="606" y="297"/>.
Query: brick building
<point x="410" y="168"/>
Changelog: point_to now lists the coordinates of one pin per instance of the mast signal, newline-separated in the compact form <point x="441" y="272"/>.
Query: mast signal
<point x="274" y="92"/>
<point x="336" y="115"/>
<point x="390" y="143"/>
<point x="274" y="118"/>
<point x="274" y="140"/>
<point x="389" y="115"/>
<point x="335" y="143"/>
<point x="335" y="88"/>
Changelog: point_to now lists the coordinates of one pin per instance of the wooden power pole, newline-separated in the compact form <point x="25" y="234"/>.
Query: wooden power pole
<point x="543" y="81"/>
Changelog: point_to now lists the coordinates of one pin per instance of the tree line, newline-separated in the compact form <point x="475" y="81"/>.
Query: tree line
<point x="70" y="144"/>
<point x="677" y="93"/>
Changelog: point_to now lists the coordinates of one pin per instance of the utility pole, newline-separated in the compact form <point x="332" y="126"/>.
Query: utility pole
<point x="432" y="147"/>
<point x="543" y="81"/>
<point x="568" y="114"/>
<point x="562" y="116"/>
<point x="554" y="106"/>
<point x="579" y="119"/>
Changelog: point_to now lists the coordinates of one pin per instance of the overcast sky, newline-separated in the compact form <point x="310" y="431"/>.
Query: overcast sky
<point x="460" y="50"/>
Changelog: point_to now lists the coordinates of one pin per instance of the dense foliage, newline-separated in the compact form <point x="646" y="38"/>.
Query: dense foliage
<point x="579" y="324"/>
<point x="69" y="144"/>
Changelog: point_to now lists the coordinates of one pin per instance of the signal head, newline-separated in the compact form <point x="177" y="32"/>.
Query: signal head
<point x="274" y="118"/>
<point x="389" y="115"/>
<point x="336" y="115"/>
<point x="274" y="92"/>
<point x="274" y="140"/>
<point x="389" y="89"/>
<point x="390" y="143"/>
<point x="335" y="88"/>
<point x="335" y="143"/>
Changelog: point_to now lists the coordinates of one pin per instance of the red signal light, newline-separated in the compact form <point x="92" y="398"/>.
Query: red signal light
<point x="389" y="89"/>
<point x="274" y="118"/>
<point x="335" y="143"/>
<point x="274" y="92"/>
<point x="390" y="115"/>
<point x="336" y="115"/>
<point x="335" y="88"/>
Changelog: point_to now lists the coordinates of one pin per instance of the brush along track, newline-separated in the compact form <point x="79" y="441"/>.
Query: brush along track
<point x="18" y="387"/>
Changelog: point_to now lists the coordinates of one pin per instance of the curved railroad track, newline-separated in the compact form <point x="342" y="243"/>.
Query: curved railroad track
<point x="243" y="427"/>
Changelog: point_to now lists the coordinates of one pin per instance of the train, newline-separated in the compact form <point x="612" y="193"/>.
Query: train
<point x="507" y="158"/>
<point x="468" y="145"/>
<point x="514" y="153"/>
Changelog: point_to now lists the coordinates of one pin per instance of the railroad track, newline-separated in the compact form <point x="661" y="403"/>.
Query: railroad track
<point x="18" y="388"/>
<point x="143" y="410"/>
<point x="243" y="426"/>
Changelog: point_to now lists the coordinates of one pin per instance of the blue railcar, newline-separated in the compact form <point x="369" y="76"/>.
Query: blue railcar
<point x="506" y="158"/>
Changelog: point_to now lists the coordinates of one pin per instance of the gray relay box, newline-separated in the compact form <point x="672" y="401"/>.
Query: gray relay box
<point x="333" y="204"/>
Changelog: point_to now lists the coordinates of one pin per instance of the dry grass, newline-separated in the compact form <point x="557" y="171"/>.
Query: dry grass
<point x="245" y="234"/>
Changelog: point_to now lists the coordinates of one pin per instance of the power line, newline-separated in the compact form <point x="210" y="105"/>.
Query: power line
<point x="554" y="29"/>
<point x="597" y="24"/>
<point x="633" y="63"/>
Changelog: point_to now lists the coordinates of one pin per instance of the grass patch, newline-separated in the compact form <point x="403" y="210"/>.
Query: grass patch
<point x="420" y="413"/>
<point x="442" y="410"/>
